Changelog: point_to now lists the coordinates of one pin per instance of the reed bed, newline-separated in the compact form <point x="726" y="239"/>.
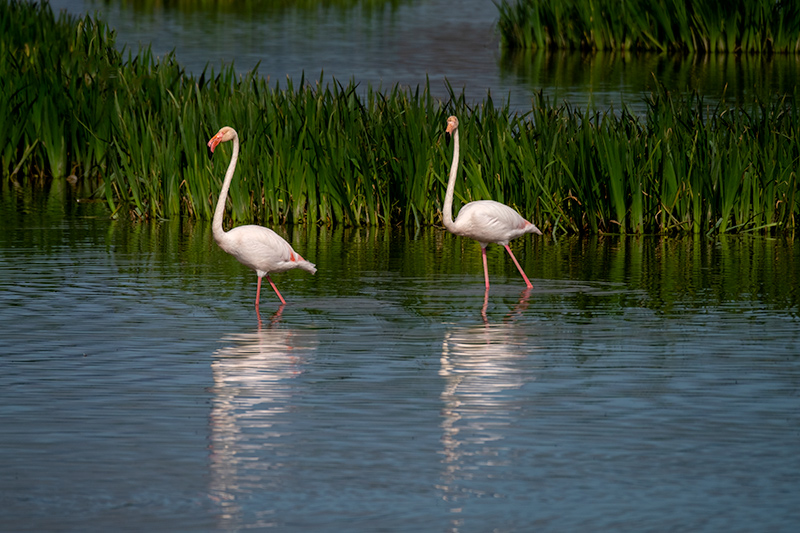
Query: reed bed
<point x="758" y="26"/>
<point x="325" y="152"/>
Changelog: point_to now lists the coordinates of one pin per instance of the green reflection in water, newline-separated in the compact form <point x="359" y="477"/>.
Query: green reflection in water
<point x="628" y="76"/>
<point x="256" y="7"/>
<point x="415" y="268"/>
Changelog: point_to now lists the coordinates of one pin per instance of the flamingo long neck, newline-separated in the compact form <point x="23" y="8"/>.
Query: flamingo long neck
<point x="447" y="209"/>
<point x="219" y="213"/>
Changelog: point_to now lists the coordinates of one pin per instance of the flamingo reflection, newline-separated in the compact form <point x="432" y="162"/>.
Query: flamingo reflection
<point x="483" y="367"/>
<point x="253" y="384"/>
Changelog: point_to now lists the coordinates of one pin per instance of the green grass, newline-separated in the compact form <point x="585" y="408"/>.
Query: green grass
<point x="135" y="129"/>
<point x="759" y="26"/>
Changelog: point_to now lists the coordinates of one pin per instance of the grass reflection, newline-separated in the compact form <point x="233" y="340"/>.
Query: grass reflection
<point x="662" y="273"/>
<point x="255" y="7"/>
<point x="739" y="78"/>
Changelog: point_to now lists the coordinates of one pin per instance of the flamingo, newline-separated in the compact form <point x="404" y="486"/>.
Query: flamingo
<point x="256" y="247"/>
<point x="485" y="221"/>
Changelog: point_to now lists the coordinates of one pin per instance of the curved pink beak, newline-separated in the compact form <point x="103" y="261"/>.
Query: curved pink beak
<point x="212" y="144"/>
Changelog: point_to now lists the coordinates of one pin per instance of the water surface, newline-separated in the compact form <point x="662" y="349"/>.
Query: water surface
<point x="413" y="42"/>
<point x="643" y="384"/>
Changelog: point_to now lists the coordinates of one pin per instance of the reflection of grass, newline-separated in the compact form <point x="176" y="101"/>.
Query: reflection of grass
<point x="737" y="76"/>
<point x="329" y="153"/>
<point x="249" y="7"/>
<point x="677" y="25"/>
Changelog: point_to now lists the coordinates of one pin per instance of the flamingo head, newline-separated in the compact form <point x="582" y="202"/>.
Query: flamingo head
<point x="452" y="126"/>
<point x="224" y="135"/>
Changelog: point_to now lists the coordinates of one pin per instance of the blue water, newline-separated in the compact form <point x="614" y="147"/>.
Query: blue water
<point x="641" y="385"/>
<point x="415" y="42"/>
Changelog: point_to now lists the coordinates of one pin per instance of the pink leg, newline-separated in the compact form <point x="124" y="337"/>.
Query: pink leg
<point x="527" y="282"/>
<point x="485" y="268"/>
<point x="258" y="292"/>
<point x="276" y="290"/>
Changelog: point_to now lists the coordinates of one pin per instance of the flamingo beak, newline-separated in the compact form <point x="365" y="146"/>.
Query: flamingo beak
<point x="212" y="144"/>
<point x="449" y="132"/>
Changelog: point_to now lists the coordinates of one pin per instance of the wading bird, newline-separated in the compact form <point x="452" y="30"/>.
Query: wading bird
<point x="485" y="221"/>
<point x="256" y="247"/>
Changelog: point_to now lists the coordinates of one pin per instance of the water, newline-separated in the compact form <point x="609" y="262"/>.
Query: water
<point x="642" y="385"/>
<point x="413" y="41"/>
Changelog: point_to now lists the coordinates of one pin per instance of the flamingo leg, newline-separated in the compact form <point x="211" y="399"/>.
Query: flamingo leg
<point x="527" y="282"/>
<point x="485" y="268"/>
<point x="258" y="292"/>
<point x="276" y="290"/>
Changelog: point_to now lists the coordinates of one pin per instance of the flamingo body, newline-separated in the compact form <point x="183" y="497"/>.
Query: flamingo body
<point x="485" y="221"/>
<point x="262" y="250"/>
<point x="256" y="247"/>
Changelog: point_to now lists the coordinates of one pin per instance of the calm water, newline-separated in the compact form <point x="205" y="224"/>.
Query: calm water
<point x="407" y="42"/>
<point x="641" y="385"/>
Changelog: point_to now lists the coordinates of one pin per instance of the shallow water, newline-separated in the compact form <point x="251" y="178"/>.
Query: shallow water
<point x="411" y="42"/>
<point x="643" y="384"/>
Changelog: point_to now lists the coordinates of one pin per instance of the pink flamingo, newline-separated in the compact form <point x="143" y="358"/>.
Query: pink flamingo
<point x="256" y="247"/>
<point x="485" y="221"/>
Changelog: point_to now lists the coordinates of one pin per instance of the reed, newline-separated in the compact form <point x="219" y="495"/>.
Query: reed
<point x="758" y="26"/>
<point x="325" y="152"/>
